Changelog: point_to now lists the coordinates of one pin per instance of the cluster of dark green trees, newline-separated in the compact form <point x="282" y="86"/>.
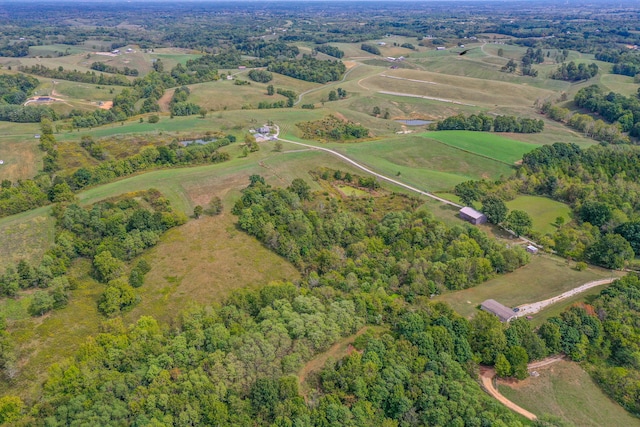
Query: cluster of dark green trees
<point x="75" y="75"/>
<point x="484" y="123"/>
<point x="329" y="50"/>
<point x="179" y="106"/>
<point x="261" y="76"/>
<point x="625" y="62"/>
<point x="573" y="73"/>
<point x="370" y="48"/>
<point x="105" y="68"/>
<point x="310" y="69"/>
<point x="613" y="107"/>
<point x="16" y="88"/>
<point x="332" y="128"/>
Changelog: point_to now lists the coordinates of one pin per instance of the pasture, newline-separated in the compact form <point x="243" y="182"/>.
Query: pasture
<point x="423" y="162"/>
<point x="543" y="211"/>
<point x="485" y="144"/>
<point x="525" y="285"/>
<point x="565" y="390"/>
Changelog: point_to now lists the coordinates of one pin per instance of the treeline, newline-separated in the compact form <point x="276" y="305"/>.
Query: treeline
<point x="26" y="113"/>
<point x="596" y="129"/>
<point x="16" y="88"/>
<point x="289" y="94"/>
<point x="625" y="62"/>
<point x="332" y="128"/>
<point x="310" y="69"/>
<point x="75" y="75"/>
<point x="573" y="73"/>
<point x="484" y="123"/>
<point x="613" y="107"/>
<point x="413" y="261"/>
<point x="101" y="66"/>
<point x="329" y="50"/>
<point x="370" y="48"/>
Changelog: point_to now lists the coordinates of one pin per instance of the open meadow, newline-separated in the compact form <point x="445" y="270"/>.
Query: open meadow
<point x="543" y="211"/>
<point x="565" y="390"/>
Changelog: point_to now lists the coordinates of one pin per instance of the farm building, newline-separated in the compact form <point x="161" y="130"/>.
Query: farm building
<point x="532" y="249"/>
<point x="472" y="215"/>
<point x="504" y="313"/>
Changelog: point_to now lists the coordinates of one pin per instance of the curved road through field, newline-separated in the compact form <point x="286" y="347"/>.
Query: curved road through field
<point x="487" y="376"/>
<point x="369" y="171"/>
<point x="527" y="309"/>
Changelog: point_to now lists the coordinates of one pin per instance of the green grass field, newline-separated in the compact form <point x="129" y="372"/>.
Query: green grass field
<point x="565" y="390"/>
<point x="423" y="162"/>
<point x="543" y="211"/>
<point x="544" y="277"/>
<point x="486" y="144"/>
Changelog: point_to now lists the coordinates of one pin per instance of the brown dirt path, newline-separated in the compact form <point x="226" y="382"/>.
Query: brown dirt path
<point x="488" y="374"/>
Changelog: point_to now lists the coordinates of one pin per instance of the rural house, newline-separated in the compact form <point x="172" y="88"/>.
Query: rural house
<point x="504" y="313"/>
<point x="472" y="215"/>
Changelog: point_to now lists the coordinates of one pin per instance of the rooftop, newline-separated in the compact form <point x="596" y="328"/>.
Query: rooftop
<point x="502" y="311"/>
<point x="470" y="212"/>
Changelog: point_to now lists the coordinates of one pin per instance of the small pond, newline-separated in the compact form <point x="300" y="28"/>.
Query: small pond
<point x="415" y="122"/>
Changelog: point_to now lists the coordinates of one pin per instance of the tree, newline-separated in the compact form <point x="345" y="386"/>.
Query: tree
<point x="270" y="90"/>
<point x="494" y="208"/>
<point x="519" y="222"/>
<point x="41" y="303"/>
<point x="277" y="146"/>
<point x="203" y="113"/>
<point x="518" y="359"/>
<point x="301" y="188"/>
<point x="610" y="251"/>
<point x="333" y="96"/>
<point x="510" y="67"/>
<point x="501" y="52"/>
<point x="376" y="111"/>
<point x="503" y="367"/>
<point x="107" y="267"/>
<point x="154" y="118"/>
<point x="596" y="213"/>
<point x="197" y="211"/>
<point x="215" y="206"/>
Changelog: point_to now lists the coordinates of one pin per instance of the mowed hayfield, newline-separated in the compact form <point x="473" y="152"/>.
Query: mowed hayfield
<point x="544" y="277"/>
<point x="485" y="144"/>
<point x="19" y="152"/>
<point x="423" y="162"/>
<point x="479" y="91"/>
<point x="565" y="390"/>
<point x="543" y="211"/>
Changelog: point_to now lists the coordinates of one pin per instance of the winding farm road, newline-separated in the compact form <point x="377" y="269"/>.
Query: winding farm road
<point x="487" y="376"/>
<point x="527" y="309"/>
<point x="376" y="174"/>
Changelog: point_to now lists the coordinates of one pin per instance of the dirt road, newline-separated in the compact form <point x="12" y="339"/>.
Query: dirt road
<point x="487" y="376"/>
<point x="364" y="168"/>
<point x="527" y="309"/>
